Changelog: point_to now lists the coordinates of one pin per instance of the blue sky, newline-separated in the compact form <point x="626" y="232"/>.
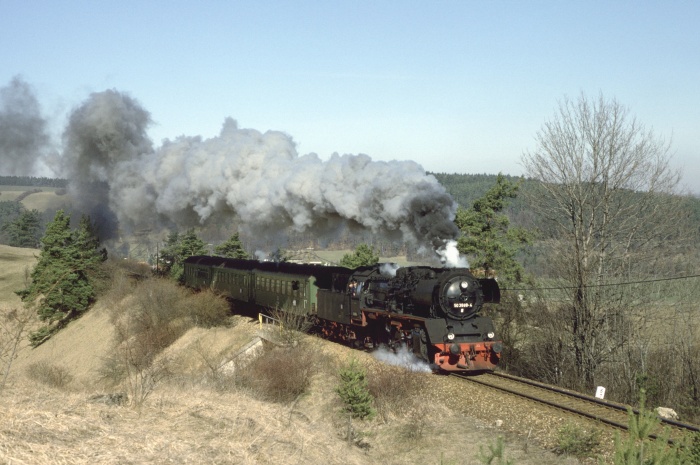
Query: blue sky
<point x="457" y="86"/>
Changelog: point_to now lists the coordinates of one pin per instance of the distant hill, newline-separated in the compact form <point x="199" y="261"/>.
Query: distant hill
<point x="466" y="188"/>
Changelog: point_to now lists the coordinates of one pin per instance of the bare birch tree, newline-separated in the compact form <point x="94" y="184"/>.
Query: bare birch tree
<point x="605" y="194"/>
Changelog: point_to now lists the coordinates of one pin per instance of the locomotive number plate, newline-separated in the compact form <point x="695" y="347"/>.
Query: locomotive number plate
<point x="462" y="305"/>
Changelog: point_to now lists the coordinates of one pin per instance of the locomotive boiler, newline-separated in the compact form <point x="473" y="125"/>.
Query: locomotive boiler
<point x="434" y="311"/>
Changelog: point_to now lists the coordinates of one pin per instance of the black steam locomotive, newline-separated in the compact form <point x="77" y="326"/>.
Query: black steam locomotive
<point x="435" y="311"/>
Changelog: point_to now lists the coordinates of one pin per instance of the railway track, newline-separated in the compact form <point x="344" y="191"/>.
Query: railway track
<point x="611" y="414"/>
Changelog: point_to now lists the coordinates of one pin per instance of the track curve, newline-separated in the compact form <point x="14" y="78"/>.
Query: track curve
<point x="611" y="414"/>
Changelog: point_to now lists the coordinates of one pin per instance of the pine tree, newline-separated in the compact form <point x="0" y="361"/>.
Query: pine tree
<point x="25" y="230"/>
<point x="354" y="392"/>
<point x="61" y="286"/>
<point x="638" y="448"/>
<point x="177" y="249"/>
<point x="232" y="248"/>
<point x="363" y="255"/>
<point x="487" y="237"/>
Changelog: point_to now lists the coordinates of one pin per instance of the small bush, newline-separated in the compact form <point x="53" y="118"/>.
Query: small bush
<point x="50" y="375"/>
<point x="156" y="316"/>
<point x="288" y="328"/>
<point x="416" y="426"/>
<point x="279" y="375"/>
<point x="575" y="440"/>
<point x="495" y="454"/>
<point x="353" y="391"/>
<point x="124" y="276"/>
<point x="393" y="388"/>
<point x="208" y="309"/>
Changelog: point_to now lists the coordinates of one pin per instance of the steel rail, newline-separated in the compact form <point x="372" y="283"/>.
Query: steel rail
<point x="482" y="380"/>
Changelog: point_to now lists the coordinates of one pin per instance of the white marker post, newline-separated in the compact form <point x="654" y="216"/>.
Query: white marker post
<point x="600" y="392"/>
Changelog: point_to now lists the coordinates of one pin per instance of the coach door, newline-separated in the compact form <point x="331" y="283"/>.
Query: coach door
<point x="355" y="292"/>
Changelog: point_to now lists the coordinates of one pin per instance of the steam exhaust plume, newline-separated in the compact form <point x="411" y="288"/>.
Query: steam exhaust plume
<point x="402" y="357"/>
<point x="103" y="135"/>
<point x="23" y="131"/>
<point x="257" y="179"/>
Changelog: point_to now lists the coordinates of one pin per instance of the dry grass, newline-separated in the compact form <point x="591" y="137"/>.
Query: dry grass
<point x="394" y="389"/>
<point x="57" y="408"/>
<point x="192" y="422"/>
<point x="15" y="265"/>
<point x="178" y="426"/>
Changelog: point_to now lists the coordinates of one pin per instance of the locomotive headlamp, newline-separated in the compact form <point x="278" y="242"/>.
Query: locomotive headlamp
<point x="450" y="336"/>
<point x="491" y="334"/>
<point x="464" y="285"/>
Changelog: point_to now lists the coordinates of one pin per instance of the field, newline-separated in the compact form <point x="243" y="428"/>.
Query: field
<point x="49" y="199"/>
<point x="57" y="406"/>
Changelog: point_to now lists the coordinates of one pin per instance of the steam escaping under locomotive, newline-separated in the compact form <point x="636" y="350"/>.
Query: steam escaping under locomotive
<point x="434" y="311"/>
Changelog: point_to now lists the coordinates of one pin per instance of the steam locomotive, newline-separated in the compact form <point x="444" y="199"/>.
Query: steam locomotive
<point x="434" y="311"/>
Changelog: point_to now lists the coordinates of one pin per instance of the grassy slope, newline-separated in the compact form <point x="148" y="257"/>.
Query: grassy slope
<point x="186" y="420"/>
<point x="15" y="264"/>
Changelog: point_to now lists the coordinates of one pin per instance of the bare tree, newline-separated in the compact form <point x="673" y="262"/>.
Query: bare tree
<point x="14" y="324"/>
<point x="606" y="195"/>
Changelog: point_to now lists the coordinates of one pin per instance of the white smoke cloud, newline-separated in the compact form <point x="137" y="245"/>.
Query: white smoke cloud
<point x="388" y="269"/>
<point x="402" y="357"/>
<point x="257" y="179"/>
<point x="450" y="256"/>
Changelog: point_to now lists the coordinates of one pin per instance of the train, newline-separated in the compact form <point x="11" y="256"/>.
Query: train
<point x="436" y="312"/>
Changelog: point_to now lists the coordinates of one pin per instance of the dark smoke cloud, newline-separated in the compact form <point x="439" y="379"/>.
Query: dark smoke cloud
<point x="255" y="178"/>
<point x="24" y="137"/>
<point x="103" y="134"/>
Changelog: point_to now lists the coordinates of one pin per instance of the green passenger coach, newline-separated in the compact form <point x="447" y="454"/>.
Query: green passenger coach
<point x="282" y="286"/>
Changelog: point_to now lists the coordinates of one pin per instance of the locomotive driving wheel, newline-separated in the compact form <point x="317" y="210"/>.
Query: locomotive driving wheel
<point x="419" y="343"/>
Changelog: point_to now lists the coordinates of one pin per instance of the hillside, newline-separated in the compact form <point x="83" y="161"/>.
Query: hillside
<point x="15" y="265"/>
<point x="58" y="408"/>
